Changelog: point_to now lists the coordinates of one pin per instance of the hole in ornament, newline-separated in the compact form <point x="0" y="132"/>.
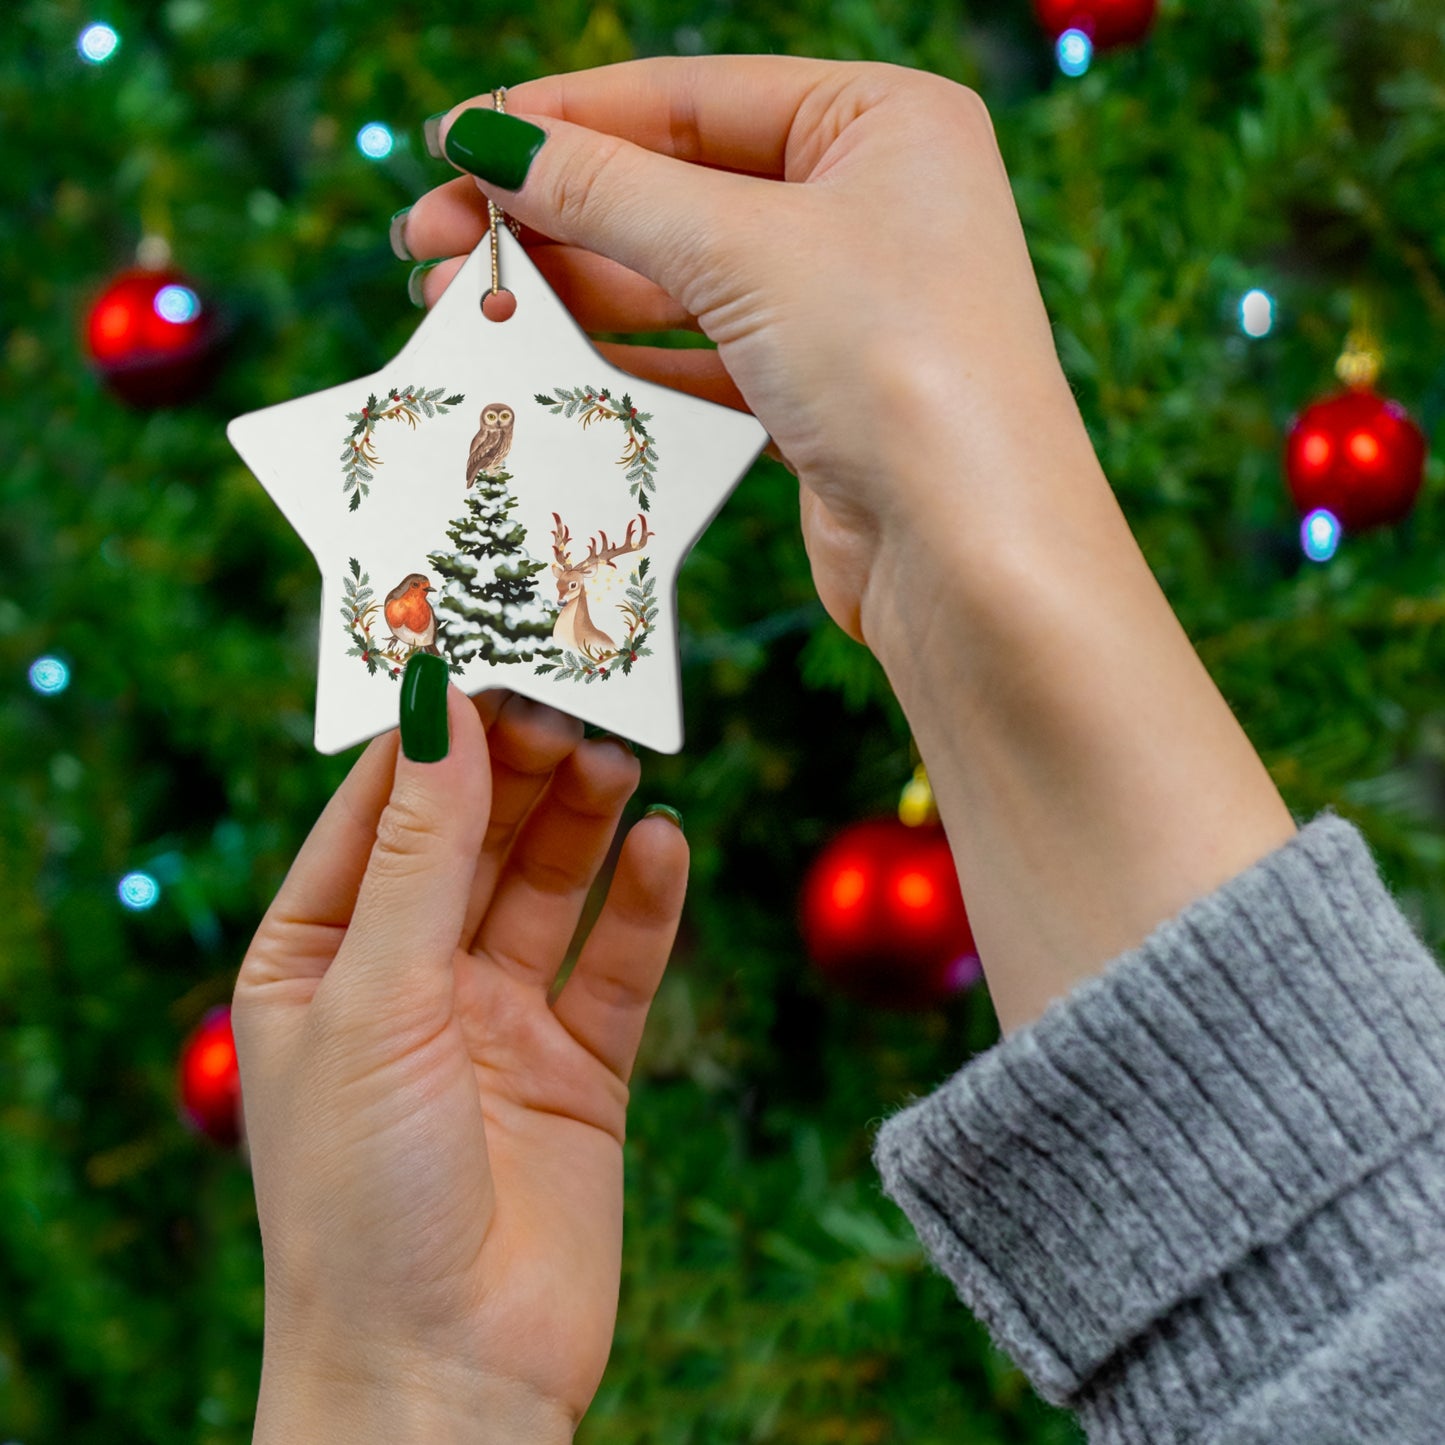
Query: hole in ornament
<point x="499" y="305"/>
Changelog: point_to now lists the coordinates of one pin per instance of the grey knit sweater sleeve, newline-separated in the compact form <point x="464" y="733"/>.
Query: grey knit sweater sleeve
<point x="1202" y="1199"/>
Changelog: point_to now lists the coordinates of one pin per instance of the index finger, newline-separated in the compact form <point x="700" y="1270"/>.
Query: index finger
<point x="733" y="112"/>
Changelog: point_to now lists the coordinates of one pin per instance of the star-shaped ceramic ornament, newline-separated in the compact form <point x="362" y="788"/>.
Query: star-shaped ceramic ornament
<point x="502" y="495"/>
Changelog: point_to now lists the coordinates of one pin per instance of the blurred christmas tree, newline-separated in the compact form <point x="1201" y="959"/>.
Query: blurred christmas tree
<point x="770" y="1292"/>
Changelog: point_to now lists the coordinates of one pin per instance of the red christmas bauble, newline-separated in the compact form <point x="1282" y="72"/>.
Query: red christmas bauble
<point x="883" y="917"/>
<point x="1357" y="455"/>
<point x="1107" y="23"/>
<point x="210" y="1081"/>
<point x="152" y="338"/>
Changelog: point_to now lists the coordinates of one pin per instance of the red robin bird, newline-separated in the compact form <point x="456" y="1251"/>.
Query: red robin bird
<point x="410" y="615"/>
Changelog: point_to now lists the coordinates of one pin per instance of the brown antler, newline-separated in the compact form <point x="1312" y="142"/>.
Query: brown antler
<point x="594" y="558"/>
<point x="561" y="539"/>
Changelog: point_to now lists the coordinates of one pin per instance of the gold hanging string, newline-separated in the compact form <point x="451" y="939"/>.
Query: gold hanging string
<point x="495" y="215"/>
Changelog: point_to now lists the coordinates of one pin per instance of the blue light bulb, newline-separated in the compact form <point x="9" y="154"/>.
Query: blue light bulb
<point x="49" y="675"/>
<point x="375" y="141"/>
<point x="177" y="304"/>
<point x="1320" y="535"/>
<point x="1075" y="52"/>
<point x="138" y="891"/>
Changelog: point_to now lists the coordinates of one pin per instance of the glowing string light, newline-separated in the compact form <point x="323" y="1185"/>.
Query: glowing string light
<point x="1320" y="535"/>
<point x="375" y="141"/>
<point x="1256" y="313"/>
<point x="97" y="44"/>
<point x="1075" y="52"/>
<point x="49" y="675"/>
<point x="138" y="891"/>
<point x="177" y="304"/>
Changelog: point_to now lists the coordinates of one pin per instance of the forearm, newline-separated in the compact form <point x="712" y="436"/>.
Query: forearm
<point x="1092" y="779"/>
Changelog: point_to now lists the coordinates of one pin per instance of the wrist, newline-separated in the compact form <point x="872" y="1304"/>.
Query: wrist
<point x="981" y="520"/>
<point x="417" y="1401"/>
<point x="992" y="471"/>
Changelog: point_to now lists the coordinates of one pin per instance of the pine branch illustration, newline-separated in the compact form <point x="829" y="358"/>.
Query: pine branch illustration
<point x="358" y="454"/>
<point x="639" y="453"/>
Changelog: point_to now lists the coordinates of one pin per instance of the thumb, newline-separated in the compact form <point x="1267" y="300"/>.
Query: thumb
<point x="395" y="963"/>
<point x="671" y="221"/>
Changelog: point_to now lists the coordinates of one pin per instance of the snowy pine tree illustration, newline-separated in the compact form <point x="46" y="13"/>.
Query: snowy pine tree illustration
<point x="488" y="605"/>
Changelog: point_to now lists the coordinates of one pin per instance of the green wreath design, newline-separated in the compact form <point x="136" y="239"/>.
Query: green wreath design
<point x="639" y="454"/>
<point x="358" y="453"/>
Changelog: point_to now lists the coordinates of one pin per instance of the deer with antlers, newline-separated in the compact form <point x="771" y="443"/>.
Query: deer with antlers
<point x="575" y="629"/>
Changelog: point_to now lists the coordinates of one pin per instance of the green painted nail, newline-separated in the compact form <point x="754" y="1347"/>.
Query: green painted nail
<point x="424" y="734"/>
<point x="498" y="148"/>
<point x="413" y="282"/>
<point x="431" y="133"/>
<point x="397" y="234"/>
<point x="662" y="810"/>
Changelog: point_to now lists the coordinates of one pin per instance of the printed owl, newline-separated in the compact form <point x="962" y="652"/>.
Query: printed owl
<point x="492" y="442"/>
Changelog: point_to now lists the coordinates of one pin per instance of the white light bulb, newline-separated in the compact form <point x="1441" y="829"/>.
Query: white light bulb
<point x="1256" y="313"/>
<point x="97" y="44"/>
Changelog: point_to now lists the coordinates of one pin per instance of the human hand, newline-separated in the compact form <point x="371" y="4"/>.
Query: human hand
<point x="848" y="237"/>
<point x="437" y="1149"/>
<point x="879" y="313"/>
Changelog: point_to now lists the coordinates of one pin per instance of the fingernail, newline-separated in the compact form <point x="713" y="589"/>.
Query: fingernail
<point x="413" y="282"/>
<point x="431" y="133"/>
<point x="498" y="148"/>
<point x="398" y="235"/>
<point x="424" y="735"/>
<point x="605" y="737"/>
<point x="663" y="811"/>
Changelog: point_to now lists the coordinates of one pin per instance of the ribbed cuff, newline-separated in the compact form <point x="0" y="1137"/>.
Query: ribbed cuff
<point x="1173" y="1156"/>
